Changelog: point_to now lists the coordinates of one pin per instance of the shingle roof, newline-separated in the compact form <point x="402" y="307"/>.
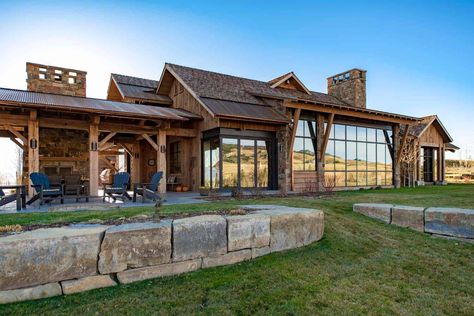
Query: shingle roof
<point x="139" y="88"/>
<point x="418" y="129"/>
<point x="215" y="85"/>
<point x="22" y="98"/>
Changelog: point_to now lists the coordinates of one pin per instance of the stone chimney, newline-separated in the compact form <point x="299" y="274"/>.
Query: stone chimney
<point x="58" y="80"/>
<point x="349" y="87"/>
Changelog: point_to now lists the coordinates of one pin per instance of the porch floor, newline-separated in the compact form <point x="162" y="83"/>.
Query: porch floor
<point x="96" y="203"/>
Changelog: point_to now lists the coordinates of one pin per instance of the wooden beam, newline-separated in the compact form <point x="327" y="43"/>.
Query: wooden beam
<point x="296" y="118"/>
<point x="402" y="144"/>
<point x="127" y="149"/>
<point x="350" y="112"/>
<point x="152" y="143"/>
<point x="108" y="163"/>
<point x="106" y="139"/>
<point x="94" y="157"/>
<point x="13" y="139"/>
<point x="16" y="133"/>
<point x="389" y="143"/>
<point x="11" y="119"/>
<point x="126" y="128"/>
<point x="326" y="136"/>
<point x="182" y="132"/>
<point x="161" y="158"/>
<point x="64" y="124"/>
<point x="33" y="153"/>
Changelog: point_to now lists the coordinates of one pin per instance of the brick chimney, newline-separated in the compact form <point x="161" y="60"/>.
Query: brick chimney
<point x="58" y="80"/>
<point x="349" y="86"/>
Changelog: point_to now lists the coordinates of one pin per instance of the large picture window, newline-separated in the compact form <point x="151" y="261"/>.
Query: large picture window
<point x="358" y="156"/>
<point x="304" y="157"/>
<point x="236" y="162"/>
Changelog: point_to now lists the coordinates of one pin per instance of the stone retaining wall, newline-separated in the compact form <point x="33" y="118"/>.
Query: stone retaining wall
<point x="449" y="222"/>
<point x="76" y="258"/>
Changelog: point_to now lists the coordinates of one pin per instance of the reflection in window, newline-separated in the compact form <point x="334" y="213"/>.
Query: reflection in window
<point x="229" y="162"/>
<point x="304" y="157"/>
<point x="247" y="163"/>
<point x="262" y="163"/>
<point x="359" y="156"/>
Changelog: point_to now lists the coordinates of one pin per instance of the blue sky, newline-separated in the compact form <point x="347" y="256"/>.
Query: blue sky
<point x="419" y="55"/>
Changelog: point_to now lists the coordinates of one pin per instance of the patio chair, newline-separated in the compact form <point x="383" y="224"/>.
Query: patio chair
<point x="148" y="190"/>
<point x="118" y="189"/>
<point x="73" y="185"/>
<point x="45" y="191"/>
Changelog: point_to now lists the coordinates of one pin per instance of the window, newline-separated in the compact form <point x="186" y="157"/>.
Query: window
<point x="304" y="157"/>
<point x="175" y="157"/>
<point x="358" y="156"/>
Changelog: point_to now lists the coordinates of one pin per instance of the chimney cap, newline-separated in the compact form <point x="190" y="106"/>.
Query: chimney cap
<point x="56" y="67"/>
<point x="350" y="70"/>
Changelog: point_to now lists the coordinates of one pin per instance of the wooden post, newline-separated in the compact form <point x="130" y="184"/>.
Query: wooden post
<point x="135" y="162"/>
<point x="33" y="148"/>
<point x="396" y="149"/>
<point x="440" y="162"/>
<point x="319" y="155"/>
<point x="94" y="156"/>
<point x="161" y="158"/>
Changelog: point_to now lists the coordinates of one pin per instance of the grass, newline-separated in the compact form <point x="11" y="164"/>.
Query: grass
<point x="361" y="266"/>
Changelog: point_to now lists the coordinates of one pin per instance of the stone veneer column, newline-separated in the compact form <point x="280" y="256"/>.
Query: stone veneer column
<point x="284" y="162"/>
<point x="319" y="161"/>
<point x="396" y="148"/>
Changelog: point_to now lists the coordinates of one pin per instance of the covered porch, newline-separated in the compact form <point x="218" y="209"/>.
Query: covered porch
<point x="75" y="139"/>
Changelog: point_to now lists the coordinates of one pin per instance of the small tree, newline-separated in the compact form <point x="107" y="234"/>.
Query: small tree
<point x="409" y="159"/>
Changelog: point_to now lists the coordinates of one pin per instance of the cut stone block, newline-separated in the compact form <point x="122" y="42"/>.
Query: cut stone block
<point x="87" y="283"/>
<point x="450" y="221"/>
<point x="134" y="246"/>
<point x="162" y="270"/>
<point x="228" y="258"/>
<point x="30" y="293"/>
<point x="408" y="216"/>
<point x="248" y="231"/>
<point x="294" y="227"/>
<point x="49" y="255"/>
<point x="258" y="252"/>
<point x="199" y="236"/>
<point x="378" y="211"/>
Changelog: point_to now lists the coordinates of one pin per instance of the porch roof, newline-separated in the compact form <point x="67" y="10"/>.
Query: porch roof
<point x="22" y="98"/>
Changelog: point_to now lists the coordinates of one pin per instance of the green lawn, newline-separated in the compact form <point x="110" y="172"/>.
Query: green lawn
<point x="361" y="266"/>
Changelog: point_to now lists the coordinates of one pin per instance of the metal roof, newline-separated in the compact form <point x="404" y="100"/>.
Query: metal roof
<point x="139" y="88"/>
<point x="21" y="98"/>
<point x="243" y="110"/>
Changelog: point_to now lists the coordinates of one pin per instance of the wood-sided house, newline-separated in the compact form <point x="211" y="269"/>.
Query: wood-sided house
<point x="209" y="129"/>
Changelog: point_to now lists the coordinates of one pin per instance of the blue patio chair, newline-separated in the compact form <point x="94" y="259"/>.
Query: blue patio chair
<point x="148" y="190"/>
<point x="118" y="189"/>
<point x="45" y="191"/>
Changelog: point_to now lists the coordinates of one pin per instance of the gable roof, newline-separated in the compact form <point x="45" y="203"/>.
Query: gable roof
<point x="289" y="77"/>
<point x="22" y="98"/>
<point x="426" y="121"/>
<point x="139" y="88"/>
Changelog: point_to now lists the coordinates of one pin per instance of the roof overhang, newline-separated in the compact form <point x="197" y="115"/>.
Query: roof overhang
<point x="292" y="77"/>
<point x="352" y="112"/>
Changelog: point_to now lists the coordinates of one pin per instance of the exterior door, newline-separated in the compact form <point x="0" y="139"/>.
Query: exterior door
<point x="428" y="164"/>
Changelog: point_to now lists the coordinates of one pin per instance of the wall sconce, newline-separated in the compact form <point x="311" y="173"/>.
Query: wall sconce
<point x="280" y="147"/>
<point x="136" y="155"/>
<point x="94" y="146"/>
<point x="33" y="143"/>
<point x="162" y="149"/>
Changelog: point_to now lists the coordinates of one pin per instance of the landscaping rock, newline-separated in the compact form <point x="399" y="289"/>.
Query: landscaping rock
<point x="258" y="252"/>
<point x="228" y="258"/>
<point x="450" y="221"/>
<point x="199" y="236"/>
<point x="134" y="246"/>
<point x="294" y="227"/>
<point x="87" y="283"/>
<point x="162" y="270"/>
<point x="30" y="293"/>
<point x="49" y="255"/>
<point x="248" y="231"/>
<point x="408" y="216"/>
<point x="378" y="211"/>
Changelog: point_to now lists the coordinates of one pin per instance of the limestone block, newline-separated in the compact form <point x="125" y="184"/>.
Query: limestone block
<point x="248" y="231"/>
<point x="257" y="252"/>
<point x="228" y="258"/>
<point x="162" y="270"/>
<point x="408" y="216"/>
<point x="87" y="283"/>
<point x="30" y="293"/>
<point x="135" y="245"/>
<point x="294" y="227"/>
<point x="450" y="221"/>
<point x="49" y="255"/>
<point x="378" y="211"/>
<point x="199" y="236"/>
